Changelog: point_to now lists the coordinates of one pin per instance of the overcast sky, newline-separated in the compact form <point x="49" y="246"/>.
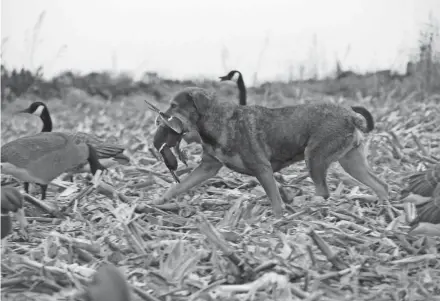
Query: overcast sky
<point x="181" y="38"/>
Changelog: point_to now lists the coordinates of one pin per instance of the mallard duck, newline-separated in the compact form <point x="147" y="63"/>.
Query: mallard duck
<point x="168" y="135"/>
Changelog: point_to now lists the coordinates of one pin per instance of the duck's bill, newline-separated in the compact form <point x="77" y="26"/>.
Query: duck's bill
<point x="152" y="107"/>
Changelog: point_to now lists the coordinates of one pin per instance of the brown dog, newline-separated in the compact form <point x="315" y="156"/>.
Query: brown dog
<point x="259" y="141"/>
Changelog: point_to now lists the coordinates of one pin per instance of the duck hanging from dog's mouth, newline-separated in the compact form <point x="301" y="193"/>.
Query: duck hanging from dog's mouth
<point x="168" y="135"/>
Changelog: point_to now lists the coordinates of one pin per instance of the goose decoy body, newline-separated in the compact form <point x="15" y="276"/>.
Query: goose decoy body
<point x="42" y="157"/>
<point x="108" y="284"/>
<point x="236" y="76"/>
<point x="12" y="201"/>
<point x="109" y="154"/>
<point x="425" y="185"/>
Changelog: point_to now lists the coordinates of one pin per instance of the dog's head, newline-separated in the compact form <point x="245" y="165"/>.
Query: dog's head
<point x="189" y="105"/>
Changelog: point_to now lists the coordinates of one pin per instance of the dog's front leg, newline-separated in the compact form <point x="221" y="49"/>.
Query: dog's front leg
<point x="208" y="168"/>
<point x="264" y="175"/>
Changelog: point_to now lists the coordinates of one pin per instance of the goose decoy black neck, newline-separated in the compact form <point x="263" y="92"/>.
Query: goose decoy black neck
<point x="236" y="76"/>
<point x="40" y="109"/>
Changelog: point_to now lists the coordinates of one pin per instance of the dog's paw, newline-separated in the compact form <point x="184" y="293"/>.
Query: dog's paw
<point x="159" y="201"/>
<point x="278" y="210"/>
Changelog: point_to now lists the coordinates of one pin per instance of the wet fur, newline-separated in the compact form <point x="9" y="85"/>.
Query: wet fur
<point x="256" y="140"/>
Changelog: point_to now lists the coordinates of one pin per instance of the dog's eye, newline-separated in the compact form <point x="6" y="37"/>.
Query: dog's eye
<point x="173" y="105"/>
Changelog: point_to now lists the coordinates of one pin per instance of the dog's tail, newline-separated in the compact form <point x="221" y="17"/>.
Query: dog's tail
<point x="368" y="117"/>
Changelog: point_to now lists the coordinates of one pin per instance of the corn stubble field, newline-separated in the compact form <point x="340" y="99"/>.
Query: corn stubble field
<point x="345" y="248"/>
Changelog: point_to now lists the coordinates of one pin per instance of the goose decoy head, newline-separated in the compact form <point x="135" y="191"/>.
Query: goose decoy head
<point x="233" y="75"/>
<point x="36" y="108"/>
<point x="40" y="109"/>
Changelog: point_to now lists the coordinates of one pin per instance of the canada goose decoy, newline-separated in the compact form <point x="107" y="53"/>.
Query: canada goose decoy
<point x="12" y="201"/>
<point x="109" y="154"/>
<point x="236" y="76"/>
<point x="425" y="185"/>
<point x="42" y="157"/>
<point x="108" y="284"/>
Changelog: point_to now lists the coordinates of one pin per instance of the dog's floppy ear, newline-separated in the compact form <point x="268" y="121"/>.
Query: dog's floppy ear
<point x="201" y="99"/>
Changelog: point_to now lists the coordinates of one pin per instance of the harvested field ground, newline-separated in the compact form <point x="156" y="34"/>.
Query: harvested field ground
<point x="174" y="251"/>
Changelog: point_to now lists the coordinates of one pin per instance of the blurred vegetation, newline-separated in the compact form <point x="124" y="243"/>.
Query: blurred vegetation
<point x="422" y="78"/>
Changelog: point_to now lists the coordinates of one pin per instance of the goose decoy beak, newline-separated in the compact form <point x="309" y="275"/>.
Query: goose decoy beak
<point x="223" y="78"/>
<point x="23" y="111"/>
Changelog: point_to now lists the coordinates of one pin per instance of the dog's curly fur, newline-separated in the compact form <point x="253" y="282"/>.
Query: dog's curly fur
<point x="258" y="141"/>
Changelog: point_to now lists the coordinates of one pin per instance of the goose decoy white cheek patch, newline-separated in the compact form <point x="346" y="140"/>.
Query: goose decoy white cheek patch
<point x="235" y="76"/>
<point x="39" y="110"/>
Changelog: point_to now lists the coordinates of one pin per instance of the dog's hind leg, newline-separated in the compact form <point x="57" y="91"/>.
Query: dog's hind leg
<point x="207" y="169"/>
<point x="355" y="163"/>
<point x="319" y="154"/>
